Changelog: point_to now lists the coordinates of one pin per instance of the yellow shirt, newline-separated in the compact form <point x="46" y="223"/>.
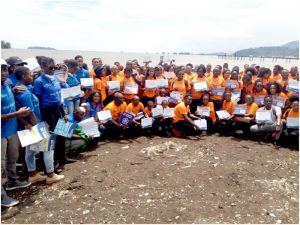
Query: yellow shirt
<point x="115" y="110"/>
<point x="135" y="109"/>
<point x="180" y="110"/>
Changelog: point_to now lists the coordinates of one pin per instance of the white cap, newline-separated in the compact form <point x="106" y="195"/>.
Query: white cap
<point x="3" y="62"/>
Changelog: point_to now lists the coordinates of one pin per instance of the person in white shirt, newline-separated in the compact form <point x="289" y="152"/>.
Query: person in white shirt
<point x="274" y="125"/>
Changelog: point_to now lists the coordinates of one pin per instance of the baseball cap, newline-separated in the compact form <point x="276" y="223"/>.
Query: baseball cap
<point x="3" y="62"/>
<point x="15" y="60"/>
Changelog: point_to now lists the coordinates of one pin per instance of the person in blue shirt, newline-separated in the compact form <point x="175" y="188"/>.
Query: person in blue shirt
<point x="48" y="90"/>
<point x="9" y="139"/>
<point x="94" y="103"/>
<point x="72" y="103"/>
<point x="28" y="99"/>
<point x="14" y="62"/>
<point x="81" y="72"/>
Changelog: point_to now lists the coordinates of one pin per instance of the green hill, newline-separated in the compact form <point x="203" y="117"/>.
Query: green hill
<point x="290" y="49"/>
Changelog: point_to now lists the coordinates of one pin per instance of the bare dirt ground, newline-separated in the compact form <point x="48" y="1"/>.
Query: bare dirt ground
<point x="169" y="180"/>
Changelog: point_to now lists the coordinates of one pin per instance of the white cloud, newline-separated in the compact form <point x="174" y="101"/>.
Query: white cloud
<point x="150" y="26"/>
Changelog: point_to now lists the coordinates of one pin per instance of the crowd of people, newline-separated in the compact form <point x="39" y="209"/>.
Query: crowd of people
<point x="167" y="100"/>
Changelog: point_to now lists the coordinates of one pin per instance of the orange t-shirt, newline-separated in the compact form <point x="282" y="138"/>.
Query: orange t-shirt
<point x="188" y="76"/>
<point x="263" y="92"/>
<point x="123" y="82"/>
<point x="293" y="114"/>
<point x="99" y="86"/>
<point x="219" y="82"/>
<point x="121" y="74"/>
<point x="182" y="86"/>
<point x="115" y="110"/>
<point x="196" y="79"/>
<point x="180" y="110"/>
<point x="148" y="111"/>
<point x="228" y="106"/>
<point x="212" y="111"/>
<point x="251" y="109"/>
<point x="150" y="93"/>
<point x="275" y="78"/>
<point x="135" y="109"/>
<point x="92" y="72"/>
<point x="248" y="88"/>
<point x="209" y="75"/>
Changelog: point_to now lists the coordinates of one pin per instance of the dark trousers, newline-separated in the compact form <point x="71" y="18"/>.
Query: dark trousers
<point x="184" y="127"/>
<point x="194" y="104"/>
<point x="51" y="114"/>
<point x="217" y="104"/>
<point x="146" y="99"/>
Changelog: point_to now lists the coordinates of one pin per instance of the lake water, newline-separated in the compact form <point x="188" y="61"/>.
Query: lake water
<point x="111" y="57"/>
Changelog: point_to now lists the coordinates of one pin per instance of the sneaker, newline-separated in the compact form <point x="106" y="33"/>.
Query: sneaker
<point x="37" y="178"/>
<point x="8" y="201"/>
<point x="176" y="132"/>
<point x="54" y="179"/>
<point x="17" y="184"/>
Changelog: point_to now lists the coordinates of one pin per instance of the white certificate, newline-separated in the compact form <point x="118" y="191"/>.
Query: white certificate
<point x="169" y="75"/>
<point x="236" y="94"/>
<point x="131" y="89"/>
<point x="203" y="111"/>
<point x="47" y="144"/>
<point x="157" y="112"/>
<point x="263" y="116"/>
<point x="279" y="101"/>
<point x="147" y="122"/>
<point x="239" y="109"/>
<point x="87" y="82"/>
<point x="293" y="85"/>
<point x="113" y="85"/>
<point x="231" y="84"/>
<point x="202" y="124"/>
<point x="259" y="100"/>
<point x="176" y="96"/>
<point x="90" y="127"/>
<point x="159" y="99"/>
<point x="218" y="91"/>
<point x="168" y="112"/>
<point x="151" y="84"/>
<point x="33" y="135"/>
<point x="61" y="74"/>
<point x="71" y="92"/>
<point x="292" y="122"/>
<point x="223" y="114"/>
<point x="200" y="86"/>
<point x="104" y="115"/>
<point x="162" y="83"/>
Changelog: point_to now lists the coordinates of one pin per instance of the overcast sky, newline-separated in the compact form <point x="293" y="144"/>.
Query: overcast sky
<point x="197" y="26"/>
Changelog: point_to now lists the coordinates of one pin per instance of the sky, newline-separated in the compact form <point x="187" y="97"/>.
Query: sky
<point x="196" y="26"/>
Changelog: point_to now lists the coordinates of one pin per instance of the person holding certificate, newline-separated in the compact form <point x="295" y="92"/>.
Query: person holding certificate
<point x="258" y="89"/>
<point x="269" y="120"/>
<point x="127" y="81"/>
<point x="211" y="119"/>
<point x="274" y="89"/>
<point x="94" y="104"/>
<point x="47" y="88"/>
<point x="149" y="93"/>
<point x="228" y="105"/>
<point x="28" y="99"/>
<point x="216" y="81"/>
<point x="9" y="139"/>
<point x="180" y="84"/>
<point x="235" y="76"/>
<point x="183" y="119"/>
<point x="265" y="74"/>
<point x="244" y="122"/>
<point x="290" y="118"/>
<point x="100" y="83"/>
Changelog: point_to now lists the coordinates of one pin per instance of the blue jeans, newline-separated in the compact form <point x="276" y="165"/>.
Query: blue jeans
<point x="48" y="160"/>
<point x="72" y="105"/>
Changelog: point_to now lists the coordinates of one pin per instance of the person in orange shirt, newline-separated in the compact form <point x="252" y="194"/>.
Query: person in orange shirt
<point x="253" y="72"/>
<point x="136" y="107"/>
<point x="188" y="75"/>
<point x="208" y="73"/>
<point x="225" y="125"/>
<point x="242" y="73"/>
<point x="216" y="81"/>
<point x="183" y="119"/>
<point x="292" y="112"/>
<point x="149" y="94"/>
<point x="235" y="76"/>
<point x="284" y="81"/>
<point x="196" y="94"/>
<point x="127" y="80"/>
<point x="180" y="84"/>
<point x="211" y="120"/>
<point x="98" y="82"/>
<point x="112" y="77"/>
<point x="294" y="73"/>
<point x="265" y="74"/>
<point x="247" y="86"/>
<point x="275" y="89"/>
<point x="226" y="74"/>
<point x="95" y="62"/>
<point x="258" y="88"/>
<point x="116" y="107"/>
<point x="276" y="76"/>
<point x="244" y="122"/>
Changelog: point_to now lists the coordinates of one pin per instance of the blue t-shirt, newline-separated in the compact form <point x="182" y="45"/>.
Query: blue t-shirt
<point x="49" y="90"/>
<point x="8" y="127"/>
<point x="30" y="100"/>
<point x="82" y="73"/>
<point x="11" y="80"/>
<point x="93" y="110"/>
<point x="71" y="82"/>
